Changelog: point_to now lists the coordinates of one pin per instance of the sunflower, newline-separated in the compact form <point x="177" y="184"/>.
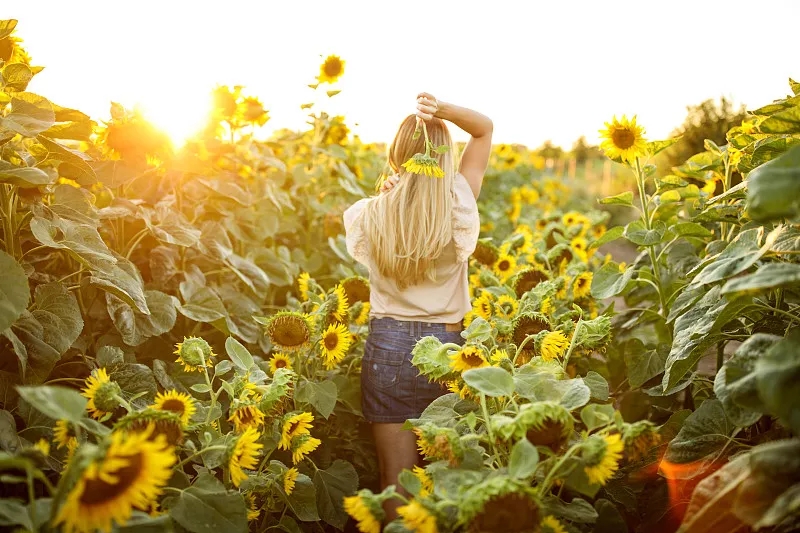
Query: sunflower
<point x="356" y="289"/>
<point x="369" y="517"/>
<point x="485" y="253"/>
<point x="331" y="69"/>
<point x="526" y="279"/>
<point x="550" y="524"/>
<point x="417" y="518"/>
<point x="426" y="484"/>
<point x="289" y="330"/>
<point x="582" y="285"/>
<point x="194" y="353"/>
<point x="302" y="285"/>
<point x="246" y="416"/>
<point x="43" y="446"/>
<point x="579" y="248"/>
<point x="639" y="438"/>
<point x="467" y="358"/>
<point x="547" y="306"/>
<point x="339" y="303"/>
<point x="103" y="394"/>
<point x="178" y="402"/>
<point x="244" y="454"/>
<point x="498" y="355"/>
<point x="506" y="307"/>
<point x="505" y="266"/>
<point x="64" y="435"/>
<point x="253" y="111"/>
<point x="363" y="314"/>
<point x="623" y="139"/>
<point x="599" y="230"/>
<point x="601" y="456"/>
<point x="482" y="305"/>
<point x="302" y="446"/>
<point x="334" y="344"/>
<point x="553" y="346"/>
<point x="293" y="426"/>
<point x="544" y="423"/>
<point x="527" y="324"/>
<point x="500" y="504"/>
<point x="289" y="480"/>
<point x="424" y="165"/>
<point x="131" y="473"/>
<point x="164" y="423"/>
<point x="253" y="512"/>
<point x="279" y="360"/>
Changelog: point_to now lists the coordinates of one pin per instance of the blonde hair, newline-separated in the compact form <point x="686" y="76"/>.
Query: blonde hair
<point x="409" y="227"/>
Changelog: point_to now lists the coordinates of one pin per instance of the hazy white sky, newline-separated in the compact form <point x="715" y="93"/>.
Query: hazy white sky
<point x="541" y="70"/>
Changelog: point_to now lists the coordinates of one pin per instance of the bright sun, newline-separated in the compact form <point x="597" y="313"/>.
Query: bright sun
<point x="180" y="116"/>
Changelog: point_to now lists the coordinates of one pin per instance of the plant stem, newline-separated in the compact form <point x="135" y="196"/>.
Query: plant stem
<point x="790" y="316"/>
<point x="519" y="350"/>
<point x="545" y="486"/>
<point x="135" y="241"/>
<point x="200" y="452"/>
<point x="488" y="425"/>
<point x="210" y="391"/>
<point x="650" y="249"/>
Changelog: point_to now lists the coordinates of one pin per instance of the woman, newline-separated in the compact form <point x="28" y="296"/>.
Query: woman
<point x="415" y="238"/>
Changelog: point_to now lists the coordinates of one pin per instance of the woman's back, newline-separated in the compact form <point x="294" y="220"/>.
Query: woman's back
<point x="443" y="300"/>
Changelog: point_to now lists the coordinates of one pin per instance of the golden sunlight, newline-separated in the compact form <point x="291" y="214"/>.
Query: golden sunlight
<point x="180" y="114"/>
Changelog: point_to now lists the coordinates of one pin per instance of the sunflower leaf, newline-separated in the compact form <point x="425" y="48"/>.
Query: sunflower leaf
<point x="59" y="403"/>
<point x="239" y="355"/>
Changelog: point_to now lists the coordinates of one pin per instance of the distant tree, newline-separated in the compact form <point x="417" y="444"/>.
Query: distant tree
<point x="708" y="120"/>
<point x="581" y="150"/>
<point x="549" y="151"/>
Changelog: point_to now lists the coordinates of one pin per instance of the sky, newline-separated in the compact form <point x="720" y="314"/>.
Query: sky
<point x="540" y="70"/>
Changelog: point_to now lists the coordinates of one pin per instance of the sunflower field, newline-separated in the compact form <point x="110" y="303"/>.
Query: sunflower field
<point x="181" y="332"/>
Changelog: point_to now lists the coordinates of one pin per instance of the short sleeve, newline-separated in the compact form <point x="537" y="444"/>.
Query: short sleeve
<point x="355" y="239"/>
<point x="466" y="222"/>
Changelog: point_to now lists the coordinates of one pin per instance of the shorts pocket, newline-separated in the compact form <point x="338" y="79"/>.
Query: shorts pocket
<point x="381" y="368"/>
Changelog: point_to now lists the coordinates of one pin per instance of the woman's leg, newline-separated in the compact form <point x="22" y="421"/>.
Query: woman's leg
<point x="397" y="449"/>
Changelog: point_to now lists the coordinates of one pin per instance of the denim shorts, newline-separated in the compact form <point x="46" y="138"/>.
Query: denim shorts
<point x="392" y="389"/>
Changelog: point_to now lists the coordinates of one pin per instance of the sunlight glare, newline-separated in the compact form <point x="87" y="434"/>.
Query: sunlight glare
<point x="180" y="115"/>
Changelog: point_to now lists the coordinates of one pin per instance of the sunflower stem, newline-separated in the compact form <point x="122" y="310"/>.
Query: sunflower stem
<point x="648" y="224"/>
<point x="519" y="350"/>
<point x="572" y="343"/>
<point x="123" y="402"/>
<point x="488" y="425"/>
<point x="427" y="141"/>
<point x="200" y="452"/>
<point x="210" y="390"/>
<point x="31" y="493"/>
<point x="545" y="486"/>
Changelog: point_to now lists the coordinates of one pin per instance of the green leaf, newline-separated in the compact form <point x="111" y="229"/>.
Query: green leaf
<point x="322" y="395"/>
<point x="303" y="499"/>
<point x="14" y="512"/>
<point x="55" y="402"/>
<point x="75" y="158"/>
<point x="200" y="511"/>
<point x="740" y="379"/>
<point x="523" y="460"/>
<point x="58" y="312"/>
<point x="204" y="306"/>
<point x="135" y="378"/>
<point x="597" y="415"/>
<point x="141" y="522"/>
<point x="609" y="281"/>
<point x="570" y="393"/>
<point x="637" y="233"/>
<point x="598" y="386"/>
<point x="110" y="356"/>
<point x="784" y="506"/>
<point x="778" y="379"/>
<point x="774" y="467"/>
<point x="768" y="276"/>
<point x="625" y="198"/>
<point x="136" y="327"/>
<point x="609" y="236"/>
<point x="490" y="380"/>
<point x="737" y="257"/>
<point x="239" y="355"/>
<point x="783" y="122"/>
<point x="332" y="485"/>
<point x="7" y="27"/>
<point x="14" y="291"/>
<point x="24" y="177"/>
<point x="578" y="510"/>
<point x="9" y="440"/>
<point x="200" y="387"/>
<point x="696" y="330"/>
<point x="690" y="229"/>
<point x="643" y="365"/>
<point x="609" y="519"/>
<point x="30" y="114"/>
<point x="740" y="416"/>
<point x="773" y="189"/>
<point x="700" y="441"/>
<point x="654" y="147"/>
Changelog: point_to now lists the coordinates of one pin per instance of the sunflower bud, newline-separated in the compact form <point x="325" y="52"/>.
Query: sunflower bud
<point x="107" y="396"/>
<point x="195" y="352"/>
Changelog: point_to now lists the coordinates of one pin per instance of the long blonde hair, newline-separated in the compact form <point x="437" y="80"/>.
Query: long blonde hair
<point x="409" y="227"/>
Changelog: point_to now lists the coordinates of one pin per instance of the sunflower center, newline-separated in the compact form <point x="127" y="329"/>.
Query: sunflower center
<point x="528" y="326"/>
<point x="548" y="434"/>
<point x="280" y="363"/>
<point x="623" y="138"/>
<point x="290" y="331"/>
<point x="333" y="67"/>
<point x="331" y="341"/>
<point x="581" y="283"/>
<point x="356" y="291"/>
<point x="245" y="415"/>
<point x="174" y="405"/>
<point x="6" y="48"/>
<point x="510" y="513"/>
<point x="472" y="359"/>
<point x="504" y="265"/>
<point x="98" y="491"/>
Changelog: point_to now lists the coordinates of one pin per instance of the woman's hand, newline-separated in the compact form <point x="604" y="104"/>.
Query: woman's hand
<point x="427" y="106"/>
<point x="389" y="183"/>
